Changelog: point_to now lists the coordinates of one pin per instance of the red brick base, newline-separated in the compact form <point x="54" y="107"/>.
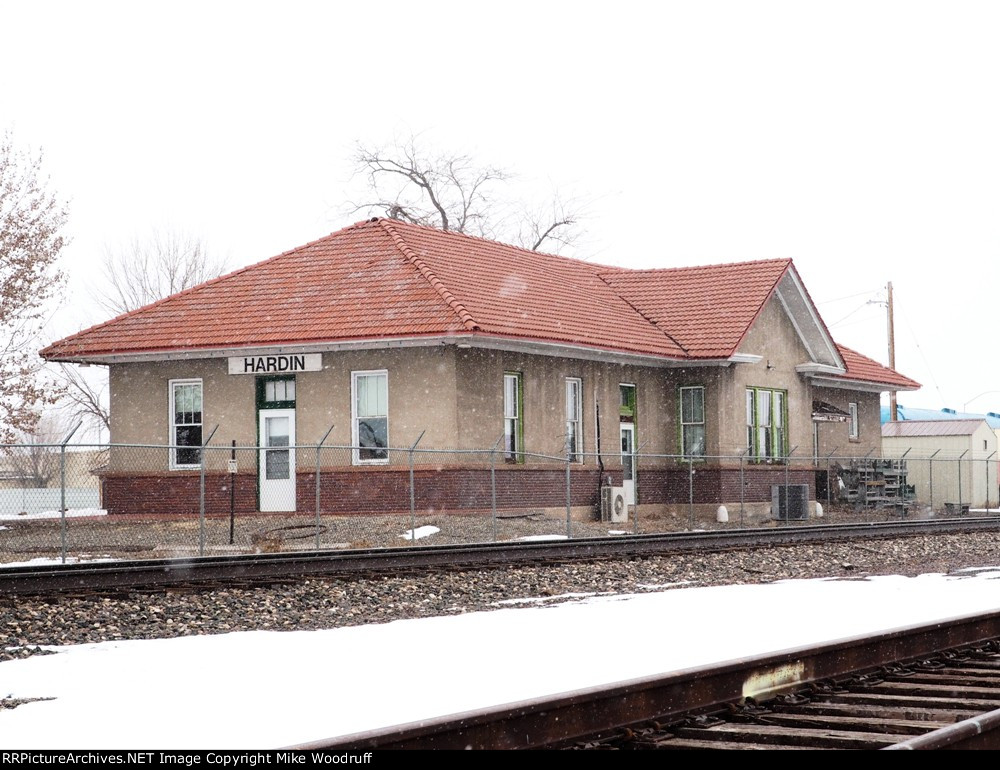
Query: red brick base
<point x="450" y="490"/>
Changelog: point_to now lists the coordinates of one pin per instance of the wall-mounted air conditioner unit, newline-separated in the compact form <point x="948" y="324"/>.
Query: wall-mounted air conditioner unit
<point x="613" y="505"/>
<point x="790" y="501"/>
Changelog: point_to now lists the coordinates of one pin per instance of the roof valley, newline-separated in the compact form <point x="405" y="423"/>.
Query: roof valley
<point x="644" y="316"/>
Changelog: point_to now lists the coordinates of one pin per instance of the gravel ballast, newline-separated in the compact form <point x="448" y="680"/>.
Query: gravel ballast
<point x="26" y="623"/>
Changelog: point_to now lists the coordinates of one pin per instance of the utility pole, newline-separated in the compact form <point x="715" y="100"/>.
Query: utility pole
<point x="892" y="357"/>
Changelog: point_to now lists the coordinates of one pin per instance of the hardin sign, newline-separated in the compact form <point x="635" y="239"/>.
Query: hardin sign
<point x="303" y="362"/>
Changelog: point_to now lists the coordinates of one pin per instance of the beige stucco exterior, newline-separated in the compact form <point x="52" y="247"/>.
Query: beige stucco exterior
<point x="454" y="396"/>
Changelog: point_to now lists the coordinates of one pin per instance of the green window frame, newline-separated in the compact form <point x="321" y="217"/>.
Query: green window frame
<point x="691" y="404"/>
<point x="626" y="402"/>
<point x="513" y="417"/>
<point x="767" y="424"/>
<point x="276" y="392"/>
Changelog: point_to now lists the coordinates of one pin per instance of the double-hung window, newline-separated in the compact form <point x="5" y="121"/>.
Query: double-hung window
<point x="767" y="415"/>
<point x="513" y="418"/>
<point x="574" y="419"/>
<point x="692" y="421"/>
<point x="185" y="423"/>
<point x="370" y="416"/>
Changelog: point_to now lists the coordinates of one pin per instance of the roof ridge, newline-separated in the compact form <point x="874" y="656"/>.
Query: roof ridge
<point x="452" y="301"/>
<point x="630" y="272"/>
<point x="643" y="316"/>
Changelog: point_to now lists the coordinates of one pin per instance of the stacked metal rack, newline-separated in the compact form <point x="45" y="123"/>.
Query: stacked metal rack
<point x="877" y="483"/>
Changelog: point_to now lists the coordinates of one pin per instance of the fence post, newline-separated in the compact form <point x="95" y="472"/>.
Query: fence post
<point x="930" y="476"/>
<point x="201" y="495"/>
<point x="62" y="486"/>
<point x="319" y="448"/>
<point x="829" y="474"/>
<point x="493" y="485"/>
<point x="959" y="462"/>
<point x="413" y="495"/>
<point x="986" y="462"/>
<point x="569" y="525"/>
<point x="690" y="492"/>
<point x="743" y="487"/>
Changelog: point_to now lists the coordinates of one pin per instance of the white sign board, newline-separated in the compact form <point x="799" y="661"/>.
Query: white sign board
<point x="280" y="364"/>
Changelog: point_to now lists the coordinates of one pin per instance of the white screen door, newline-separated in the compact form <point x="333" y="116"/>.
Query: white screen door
<point x="628" y="462"/>
<point x="277" y="460"/>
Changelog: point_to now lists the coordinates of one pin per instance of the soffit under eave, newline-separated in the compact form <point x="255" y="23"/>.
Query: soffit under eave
<point x="806" y="321"/>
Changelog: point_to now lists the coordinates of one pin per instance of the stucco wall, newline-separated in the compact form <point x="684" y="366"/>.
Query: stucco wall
<point x="833" y="436"/>
<point x="774" y="338"/>
<point x="421" y="387"/>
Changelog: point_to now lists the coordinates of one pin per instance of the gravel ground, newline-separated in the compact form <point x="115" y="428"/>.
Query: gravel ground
<point x="318" y="604"/>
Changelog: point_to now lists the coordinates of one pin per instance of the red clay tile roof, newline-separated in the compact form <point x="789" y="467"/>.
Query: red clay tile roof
<point x="707" y="310"/>
<point x="384" y="279"/>
<point x="865" y="369"/>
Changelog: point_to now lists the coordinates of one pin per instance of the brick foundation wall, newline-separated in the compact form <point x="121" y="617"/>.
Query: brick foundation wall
<point x="374" y="490"/>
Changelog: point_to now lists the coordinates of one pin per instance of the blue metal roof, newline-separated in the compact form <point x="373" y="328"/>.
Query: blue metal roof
<point x="906" y="413"/>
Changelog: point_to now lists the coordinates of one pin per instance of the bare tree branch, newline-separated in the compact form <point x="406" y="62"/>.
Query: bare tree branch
<point x="150" y="269"/>
<point x="31" y="224"/>
<point x="86" y="401"/>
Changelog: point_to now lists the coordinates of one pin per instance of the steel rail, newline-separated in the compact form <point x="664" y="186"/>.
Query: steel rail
<point x="132" y="574"/>
<point x="585" y="714"/>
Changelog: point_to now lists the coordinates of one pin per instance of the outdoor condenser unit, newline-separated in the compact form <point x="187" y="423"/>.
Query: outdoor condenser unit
<point x="790" y="501"/>
<point x="613" y="507"/>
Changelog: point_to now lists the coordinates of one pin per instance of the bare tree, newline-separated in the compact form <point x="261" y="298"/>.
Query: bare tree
<point x="454" y="192"/>
<point x="86" y="400"/>
<point x="35" y="461"/>
<point x="31" y="224"/>
<point x="150" y="269"/>
<point x="144" y="271"/>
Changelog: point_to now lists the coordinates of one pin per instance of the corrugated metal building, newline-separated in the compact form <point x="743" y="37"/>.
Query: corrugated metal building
<point x="949" y="461"/>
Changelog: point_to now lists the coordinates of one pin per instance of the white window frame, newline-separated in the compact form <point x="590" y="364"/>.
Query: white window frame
<point x="574" y="422"/>
<point x="356" y="458"/>
<point x="853" y="428"/>
<point x="514" y="413"/>
<point x="685" y="425"/>
<point x="172" y="385"/>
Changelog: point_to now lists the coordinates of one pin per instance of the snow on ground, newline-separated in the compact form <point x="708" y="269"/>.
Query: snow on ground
<point x="419" y="532"/>
<point x="533" y="538"/>
<point x="42" y="561"/>
<point x="265" y="689"/>
<point x="52" y="514"/>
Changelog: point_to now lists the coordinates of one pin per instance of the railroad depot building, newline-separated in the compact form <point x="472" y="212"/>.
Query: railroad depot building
<point x="387" y="330"/>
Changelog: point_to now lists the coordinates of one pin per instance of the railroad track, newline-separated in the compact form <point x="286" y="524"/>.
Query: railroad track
<point x="922" y="687"/>
<point x="206" y="572"/>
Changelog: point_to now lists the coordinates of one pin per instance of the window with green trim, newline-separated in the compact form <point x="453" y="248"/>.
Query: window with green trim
<point x="513" y="417"/>
<point x="626" y="403"/>
<point x="767" y="418"/>
<point x="692" y="406"/>
<point x="276" y="392"/>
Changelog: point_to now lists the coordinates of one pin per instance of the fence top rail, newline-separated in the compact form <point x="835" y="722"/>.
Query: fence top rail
<point x="910" y="456"/>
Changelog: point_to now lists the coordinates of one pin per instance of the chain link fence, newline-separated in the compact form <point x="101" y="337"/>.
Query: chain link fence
<point x="68" y="503"/>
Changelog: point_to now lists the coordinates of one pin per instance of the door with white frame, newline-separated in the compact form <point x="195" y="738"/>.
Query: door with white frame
<point x="628" y="461"/>
<point x="277" y="460"/>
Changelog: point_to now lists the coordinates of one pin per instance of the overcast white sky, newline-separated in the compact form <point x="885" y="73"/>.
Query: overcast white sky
<point x="859" y="138"/>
